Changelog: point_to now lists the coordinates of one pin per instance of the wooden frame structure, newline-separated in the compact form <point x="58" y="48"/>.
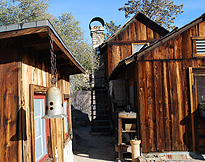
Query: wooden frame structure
<point x="25" y="71"/>
<point x="164" y="99"/>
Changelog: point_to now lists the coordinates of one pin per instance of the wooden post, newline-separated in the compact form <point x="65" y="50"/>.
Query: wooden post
<point x="191" y="81"/>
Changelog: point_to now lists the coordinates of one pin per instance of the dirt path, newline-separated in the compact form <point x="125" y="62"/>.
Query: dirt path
<point x="88" y="148"/>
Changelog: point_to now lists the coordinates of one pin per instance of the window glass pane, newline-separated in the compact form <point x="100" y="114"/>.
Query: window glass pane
<point x="200" y="89"/>
<point x="40" y="135"/>
<point x="65" y="119"/>
<point x="137" y="47"/>
<point x="37" y="127"/>
<point x="38" y="149"/>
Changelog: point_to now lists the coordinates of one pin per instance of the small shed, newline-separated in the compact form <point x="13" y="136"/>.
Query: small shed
<point x="25" y="69"/>
<point x="169" y="87"/>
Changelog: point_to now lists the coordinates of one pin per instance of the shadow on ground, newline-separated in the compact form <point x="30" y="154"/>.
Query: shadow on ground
<point x="92" y="147"/>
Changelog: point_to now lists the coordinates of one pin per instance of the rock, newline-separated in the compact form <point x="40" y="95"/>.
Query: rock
<point x="79" y="118"/>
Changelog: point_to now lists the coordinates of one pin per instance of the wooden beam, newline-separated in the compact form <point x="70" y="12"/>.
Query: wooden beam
<point x="36" y="42"/>
<point x="191" y="83"/>
<point x="21" y="32"/>
<point x="131" y="42"/>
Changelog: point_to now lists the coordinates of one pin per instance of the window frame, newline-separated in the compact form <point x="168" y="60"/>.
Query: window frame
<point x="193" y="73"/>
<point x="67" y="136"/>
<point x="37" y="90"/>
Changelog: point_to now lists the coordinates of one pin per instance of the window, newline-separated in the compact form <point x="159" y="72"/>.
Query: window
<point x="137" y="46"/>
<point x="198" y="46"/>
<point x="197" y="102"/>
<point x="40" y="129"/>
<point x="66" y="119"/>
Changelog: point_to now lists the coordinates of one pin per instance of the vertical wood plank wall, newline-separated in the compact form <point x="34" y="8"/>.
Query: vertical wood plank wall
<point x="10" y="146"/>
<point x="36" y="72"/>
<point x="135" y="32"/>
<point x="162" y="93"/>
<point x="20" y="68"/>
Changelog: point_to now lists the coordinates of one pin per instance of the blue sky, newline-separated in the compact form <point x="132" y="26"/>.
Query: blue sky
<point x="85" y="10"/>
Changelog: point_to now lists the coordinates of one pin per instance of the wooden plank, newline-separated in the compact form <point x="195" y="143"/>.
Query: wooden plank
<point x="201" y="28"/>
<point x="109" y="59"/>
<point x="150" y="34"/>
<point x="115" y="57"/>
<point x="186" y="44"/>
<point x="166" y="100"/>
<point x="16" y="33"/>
<point x="148" y="56"/>
<point x="173" y="101"/>
<point x="32" y="121"/>
<point x="180" y="103"/>
<point x="151" y="106"/>
<point x="191" y="81"/>
<point x="159" y="106"/>
<point x="178" y="47"/>
<point x="142" y="105"/>
<point x="138" y="32"/>
<point x="143" y="30"/>
<point x="59" y="139"/>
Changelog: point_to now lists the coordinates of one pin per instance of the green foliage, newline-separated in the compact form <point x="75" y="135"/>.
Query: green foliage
<point x="19" y="11"/>
<point x="111" y="28"/>
<point x="163" y="12"/>
<point x="73" y="36"/>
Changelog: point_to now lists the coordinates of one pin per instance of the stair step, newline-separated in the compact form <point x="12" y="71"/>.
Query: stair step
<point x="101" y="115"/>
<point x="100" y="120"/>
<point x="100" y="127"/>
<point x="99" y="110"/>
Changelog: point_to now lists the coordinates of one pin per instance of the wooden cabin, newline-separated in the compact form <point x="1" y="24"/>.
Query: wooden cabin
<point x="137" y="32"/>
<point x="168" y="79"/>
<point x="25" y="69"/>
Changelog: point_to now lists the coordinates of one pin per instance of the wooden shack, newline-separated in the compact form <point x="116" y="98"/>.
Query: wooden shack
<point x="169" y="86"/>
<point x="137" y="32"/>
<point x="25" y="69"/>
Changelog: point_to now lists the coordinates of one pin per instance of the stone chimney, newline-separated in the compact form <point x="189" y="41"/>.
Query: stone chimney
<point x="97" y="35"/>
<point x="97" y="32"/>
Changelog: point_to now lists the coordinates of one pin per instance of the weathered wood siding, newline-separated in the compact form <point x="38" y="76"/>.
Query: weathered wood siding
<point x="162" y="93"/>
<point x="35" y="71"/>
<point x="10" y="147"/>
<point x="20" y="68"/>
<point x="121" y="46"/>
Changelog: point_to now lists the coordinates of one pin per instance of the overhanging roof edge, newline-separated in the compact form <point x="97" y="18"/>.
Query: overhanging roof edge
<point x="35" y="24"/>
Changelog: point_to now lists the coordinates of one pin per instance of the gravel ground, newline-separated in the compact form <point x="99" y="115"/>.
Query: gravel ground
<point x="88" y="148"/>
